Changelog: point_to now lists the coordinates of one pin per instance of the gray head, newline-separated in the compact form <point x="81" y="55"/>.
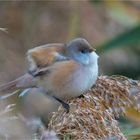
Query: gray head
<point x="79" y="50"/>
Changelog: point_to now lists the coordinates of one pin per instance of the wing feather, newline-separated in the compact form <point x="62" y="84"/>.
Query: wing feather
<point x="44" y="56"/>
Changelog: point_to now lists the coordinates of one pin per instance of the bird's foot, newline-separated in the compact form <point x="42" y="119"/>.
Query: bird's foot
<point x="65" y="105"/>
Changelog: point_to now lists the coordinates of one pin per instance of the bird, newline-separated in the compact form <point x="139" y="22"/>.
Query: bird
<point x="63" y="71"/>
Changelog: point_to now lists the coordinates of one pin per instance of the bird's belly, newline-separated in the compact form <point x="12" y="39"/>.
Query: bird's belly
<point x="83" y="82"/>
<point x="77" y="84"/>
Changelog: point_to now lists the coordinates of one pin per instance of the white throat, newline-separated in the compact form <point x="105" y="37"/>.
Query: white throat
<point x="87" y="75"/>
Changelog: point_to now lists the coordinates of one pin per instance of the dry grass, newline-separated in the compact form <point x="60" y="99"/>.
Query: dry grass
<point x="93" y="117"/>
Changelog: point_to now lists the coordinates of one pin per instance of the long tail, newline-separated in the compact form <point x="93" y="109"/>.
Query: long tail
<point x="8" y="87"/>
<point x="22" y="82"/>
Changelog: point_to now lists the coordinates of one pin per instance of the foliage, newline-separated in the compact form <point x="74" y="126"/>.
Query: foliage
<point x="126" y="39"/>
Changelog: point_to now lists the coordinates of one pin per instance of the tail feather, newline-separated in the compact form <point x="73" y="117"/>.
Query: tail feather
<point x="22" y="82"/>
<point x="8" y="87"/>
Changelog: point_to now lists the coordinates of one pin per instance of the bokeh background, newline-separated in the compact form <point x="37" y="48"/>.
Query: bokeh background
<point x="112" y="27"/>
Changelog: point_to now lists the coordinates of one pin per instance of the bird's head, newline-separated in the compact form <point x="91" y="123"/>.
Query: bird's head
<point x="81" y="51"/>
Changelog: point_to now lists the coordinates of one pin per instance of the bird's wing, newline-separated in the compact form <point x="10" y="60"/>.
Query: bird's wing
<point x="58" y="76"/>
<point x="44" y="56"/>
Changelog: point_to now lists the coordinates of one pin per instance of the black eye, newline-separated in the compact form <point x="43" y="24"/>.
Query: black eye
<point x="83" y="51"/>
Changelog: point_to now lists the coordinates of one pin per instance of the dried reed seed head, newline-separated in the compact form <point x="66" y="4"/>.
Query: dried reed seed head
<point x="92" y="117"/>
<point x="84" y="122"/>
<point x="115" y="93"/>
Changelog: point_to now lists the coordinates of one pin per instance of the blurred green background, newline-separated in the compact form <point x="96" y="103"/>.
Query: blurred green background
<point x="112" y="27"/>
